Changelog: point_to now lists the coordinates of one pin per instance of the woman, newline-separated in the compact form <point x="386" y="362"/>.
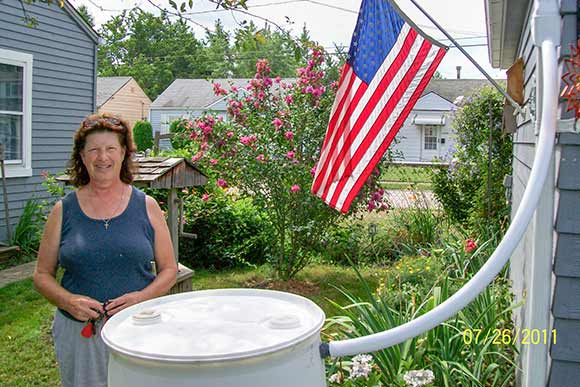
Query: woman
<point x="104" y="235"/>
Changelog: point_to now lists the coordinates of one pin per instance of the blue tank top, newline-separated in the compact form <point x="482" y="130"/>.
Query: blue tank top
<point x="106" y="263"/>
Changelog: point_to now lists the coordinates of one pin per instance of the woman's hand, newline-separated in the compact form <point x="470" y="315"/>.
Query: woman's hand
<point x="84" y="308"/>
<point x="116" y="305"/>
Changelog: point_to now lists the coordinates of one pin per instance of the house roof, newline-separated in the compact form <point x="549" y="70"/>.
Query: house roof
<point x="433" y="102"/>
<point x="196" y="93"/>
<point x="193" y="93"/>
<point x="108" y="86"/>
<point x="450" y="89"/>
<point x="504" y="29"/>
<point x="80" y="21"/>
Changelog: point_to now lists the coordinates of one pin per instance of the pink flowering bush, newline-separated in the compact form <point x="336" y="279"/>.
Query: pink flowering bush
<point x="268" y="148"/>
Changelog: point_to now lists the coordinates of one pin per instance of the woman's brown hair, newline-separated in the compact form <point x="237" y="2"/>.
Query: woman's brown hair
<point x="95" y="123"/>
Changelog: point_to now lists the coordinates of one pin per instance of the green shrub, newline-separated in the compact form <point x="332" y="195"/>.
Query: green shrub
<point x="143" y="135"/>
<point x="353" y="242"/>
<point x="28" y="231"/>
<point x="463" y="188"/>
<point x="229" y="232"/>
<point x="180" y="130"/>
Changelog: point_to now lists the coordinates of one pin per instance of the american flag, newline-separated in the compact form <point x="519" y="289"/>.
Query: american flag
<point x="390" y="62"/>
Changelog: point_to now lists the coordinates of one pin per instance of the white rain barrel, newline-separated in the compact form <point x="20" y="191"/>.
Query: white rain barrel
<point x="225" y="338"/>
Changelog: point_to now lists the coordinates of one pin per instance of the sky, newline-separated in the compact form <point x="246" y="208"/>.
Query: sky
<point x="331" y="22"/>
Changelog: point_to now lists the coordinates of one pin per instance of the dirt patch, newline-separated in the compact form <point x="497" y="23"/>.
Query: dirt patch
<point x="303" y="288"/>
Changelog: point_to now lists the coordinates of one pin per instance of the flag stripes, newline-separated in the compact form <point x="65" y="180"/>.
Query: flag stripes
<point x="396" y="62"/>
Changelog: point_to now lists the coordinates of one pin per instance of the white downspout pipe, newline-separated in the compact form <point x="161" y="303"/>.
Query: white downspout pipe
<point x="546" y="31"/>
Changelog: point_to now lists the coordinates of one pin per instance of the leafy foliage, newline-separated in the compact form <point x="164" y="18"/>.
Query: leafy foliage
<point x="268" y="150"/>
<point x="143" y="135"/>
<point x="455" y="358"/>
<point x="28" y="231"/>
<point x="154" y="50"/>
<point x="230" y="232"/>
<point x="463" y="188"/>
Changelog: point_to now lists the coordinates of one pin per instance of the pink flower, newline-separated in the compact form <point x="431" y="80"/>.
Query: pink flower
<point x="295" y="188"/>
<point x="263" y="67"/>
<point x="289" y="135"/>
<point x="205" y="197"/>
<point x="289" y="99"/>
<point x="230" y="134"/>
<point x="313" y="171"/>
<point x="318" y="92"/>
<point x="213" y="161"/>
<point x="277" y="122"/>
<point x="277" y="79"/>
<point x="290" y="154"/>
<point x="197" y="156"/>
<point x="470" y="245"/>
<point x="218" y="90"/>
<point x="221" y="183"/>
<point x="234" y="89"/>
<point x="260" y="157"/>
<point x="248" y="140"/>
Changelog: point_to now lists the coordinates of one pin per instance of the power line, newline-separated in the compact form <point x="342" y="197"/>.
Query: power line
<point x="355" y="12"/>
<point x="249" y="6"/>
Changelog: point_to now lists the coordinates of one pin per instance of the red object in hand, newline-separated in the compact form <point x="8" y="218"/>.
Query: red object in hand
<point x="88" y="330"/>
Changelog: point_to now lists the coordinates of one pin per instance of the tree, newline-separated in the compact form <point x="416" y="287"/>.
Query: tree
<point x="268" y="150"/>
<point x="86" y="15"/>
<point x="152" y="49"/>
<point x="279" y="48"/>
<point x="143" y="135"/>
<point x="219" y="54"/>
<point x="463" y="189"/>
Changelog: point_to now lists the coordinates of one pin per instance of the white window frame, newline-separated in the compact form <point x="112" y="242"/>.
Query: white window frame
<point x="166" y="119"/>
<point x="434" y="135"/>
<point x="21" y="168"/>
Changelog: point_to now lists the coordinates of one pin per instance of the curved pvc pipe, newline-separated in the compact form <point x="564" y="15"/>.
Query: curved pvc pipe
<point x="503" y="251"/>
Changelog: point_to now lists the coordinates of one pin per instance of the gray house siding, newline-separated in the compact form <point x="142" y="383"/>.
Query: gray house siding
<point x="63" y="88"/>
<point x="556" y="235"/>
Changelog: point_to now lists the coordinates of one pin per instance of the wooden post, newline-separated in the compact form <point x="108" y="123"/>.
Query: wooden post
<point x="156" y="142"/>
<point x="173" y="220"/>
<point x="6" y="212"/>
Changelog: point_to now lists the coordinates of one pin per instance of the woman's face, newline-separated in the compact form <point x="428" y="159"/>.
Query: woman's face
<point x="103" y="156"/>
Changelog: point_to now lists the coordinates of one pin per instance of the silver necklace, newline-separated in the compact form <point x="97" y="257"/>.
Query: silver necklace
<point x="107" y="221"/>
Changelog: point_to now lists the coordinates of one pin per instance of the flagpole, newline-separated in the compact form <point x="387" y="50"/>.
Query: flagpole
<point x="516" y="106"/>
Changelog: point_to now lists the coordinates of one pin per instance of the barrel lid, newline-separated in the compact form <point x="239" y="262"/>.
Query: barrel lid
<point x="213" y="325"/>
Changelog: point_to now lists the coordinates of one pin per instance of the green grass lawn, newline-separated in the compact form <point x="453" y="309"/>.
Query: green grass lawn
<point x="26" y="351"/>
<point x="403" y="177"/>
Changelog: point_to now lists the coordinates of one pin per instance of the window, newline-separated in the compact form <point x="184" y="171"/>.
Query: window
<point x="430" y="142"/>
<point x="15" y="112"/>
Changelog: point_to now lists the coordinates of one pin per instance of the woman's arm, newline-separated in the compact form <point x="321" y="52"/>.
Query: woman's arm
<point x="81" y="307"/>
<point x="164" y="262"/>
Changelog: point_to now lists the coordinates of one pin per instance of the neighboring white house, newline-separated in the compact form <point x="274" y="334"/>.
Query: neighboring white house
<point x="427" y="133"/>
<point x="188" y="98"/>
